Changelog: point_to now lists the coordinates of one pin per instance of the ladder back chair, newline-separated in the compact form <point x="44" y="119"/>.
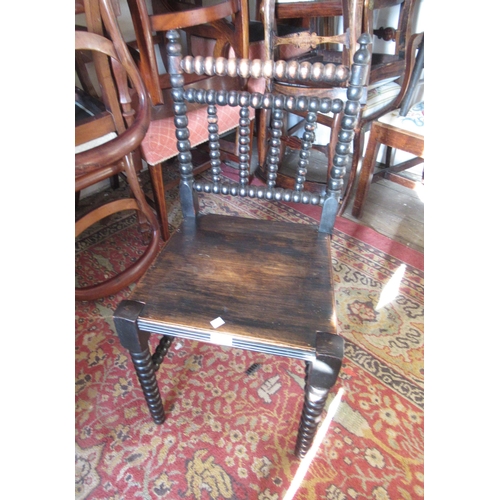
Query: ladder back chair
<point x="105" y="144"/>
<point x="157" y="146"/>
<point x="267" y="284"/>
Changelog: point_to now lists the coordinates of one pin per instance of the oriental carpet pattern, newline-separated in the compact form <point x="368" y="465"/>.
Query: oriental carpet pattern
<point x="232" y="415"/>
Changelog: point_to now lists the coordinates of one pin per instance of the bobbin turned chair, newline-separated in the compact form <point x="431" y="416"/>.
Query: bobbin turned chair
<point x="261" y="285"/>
<point x="106" y="142"/>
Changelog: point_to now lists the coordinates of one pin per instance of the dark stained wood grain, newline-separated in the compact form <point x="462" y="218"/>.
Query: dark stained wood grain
<point x="268" y="280"/>
<point x="271" y="283"/>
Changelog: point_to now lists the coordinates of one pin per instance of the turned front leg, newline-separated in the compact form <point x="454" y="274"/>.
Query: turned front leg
<point x="137" y="343"/>
<point x="321" y="375"/>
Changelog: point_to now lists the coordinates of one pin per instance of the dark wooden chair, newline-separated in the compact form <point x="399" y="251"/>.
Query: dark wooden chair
<point x="400" y="129"/>
<point x="159" y="145"/>
<point x="107" y="139"/>
<point x="383" y="89"/>
<point x="267" y="284"/>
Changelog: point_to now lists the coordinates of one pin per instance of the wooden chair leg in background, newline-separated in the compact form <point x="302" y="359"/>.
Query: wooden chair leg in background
<point x="155" y="171"/>
<point x="393" y="138"/>
<point x="366" y="174"/>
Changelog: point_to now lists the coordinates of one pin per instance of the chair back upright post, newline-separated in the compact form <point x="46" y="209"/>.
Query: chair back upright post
<point x="416" y="73"/>
<point x="386" y="66"/>
<point x="277" y="104"/>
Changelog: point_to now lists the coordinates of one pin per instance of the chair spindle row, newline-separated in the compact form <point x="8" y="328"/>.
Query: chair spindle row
<point x="255" y="68"/>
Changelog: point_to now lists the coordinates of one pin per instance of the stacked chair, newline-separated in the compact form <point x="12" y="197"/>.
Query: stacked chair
<point x="107" y="140"/>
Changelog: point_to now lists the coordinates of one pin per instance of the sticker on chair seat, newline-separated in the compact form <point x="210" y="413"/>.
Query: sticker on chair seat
<point x="217" y="322"/>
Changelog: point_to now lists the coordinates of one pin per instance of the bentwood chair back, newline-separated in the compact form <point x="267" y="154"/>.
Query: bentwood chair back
<point x="105" y="144"/>
<point x="150" y="29"/>
<point x="255" y="284"/>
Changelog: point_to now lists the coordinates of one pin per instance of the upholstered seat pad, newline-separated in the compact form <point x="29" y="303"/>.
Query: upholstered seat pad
<point x="413" y="121"/>
<point x="279" y="298"/>
<point x="160" y="143"/>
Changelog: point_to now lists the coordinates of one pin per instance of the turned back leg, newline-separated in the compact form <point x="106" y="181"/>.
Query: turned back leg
<point x="321" y="375"/>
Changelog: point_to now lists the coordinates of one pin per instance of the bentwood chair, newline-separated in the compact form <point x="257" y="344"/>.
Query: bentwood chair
<point x="106" y="141"/>
<point x="253" y="284"/>
<point x="158" y="146"/>
<point x="401" y="129"/>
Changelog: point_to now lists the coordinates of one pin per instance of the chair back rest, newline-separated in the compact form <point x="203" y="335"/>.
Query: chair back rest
<point x="172" y="15"/>
<point x="414" y="65"/>
<point x="277" y="104"/>
<point x="398" y="35"/>
<point x="401" y="33"/>
<point x="129" y="123"/>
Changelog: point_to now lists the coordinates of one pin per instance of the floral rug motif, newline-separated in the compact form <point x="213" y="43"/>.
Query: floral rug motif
<point x="232" y="415"/>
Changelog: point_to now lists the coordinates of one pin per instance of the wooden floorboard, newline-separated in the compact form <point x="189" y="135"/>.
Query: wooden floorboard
<point x="394" y="211"/>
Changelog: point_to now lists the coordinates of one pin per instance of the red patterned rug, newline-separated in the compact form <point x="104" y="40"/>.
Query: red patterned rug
<point x="230" y="431"/>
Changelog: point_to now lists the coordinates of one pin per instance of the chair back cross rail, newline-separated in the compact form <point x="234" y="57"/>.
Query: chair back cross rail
<point x="277" y="104"/>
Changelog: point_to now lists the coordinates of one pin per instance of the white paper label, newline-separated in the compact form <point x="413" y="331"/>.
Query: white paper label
<point x="217" y="322"/>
